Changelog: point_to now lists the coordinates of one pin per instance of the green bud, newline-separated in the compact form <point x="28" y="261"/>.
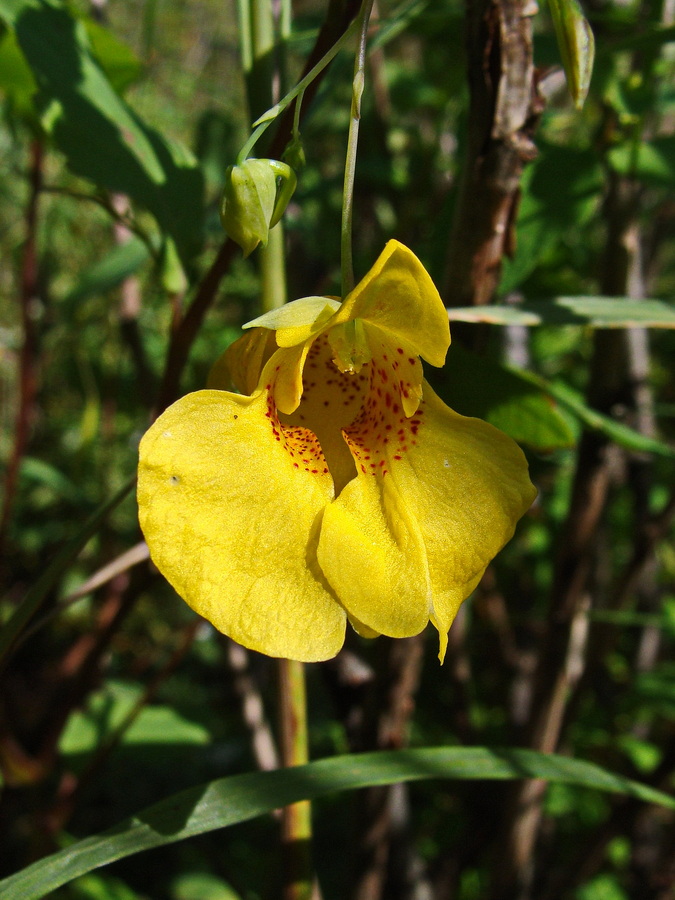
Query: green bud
<point x="294" y="154"/>
<point x="173" y="275"/>
<point x="255" y="197"/>
<point x="576" y="45"/>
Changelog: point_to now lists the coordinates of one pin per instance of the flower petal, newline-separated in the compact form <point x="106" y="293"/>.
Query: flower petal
<point x="466" y="484"/>
<point x="232" y="521"/>
<point x="372" y="554"/>
<point x="399" y="297"/>
<point x="436" y="497"/>
<point x="241" y="364"/>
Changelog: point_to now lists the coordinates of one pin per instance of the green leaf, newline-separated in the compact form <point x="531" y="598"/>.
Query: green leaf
<point x="595" y="421"/>
<point x="524" y="405"/>
<point x="475" y="386"/>
<point x="598" y="312"/>
<point x="201" y="886"/>
<point x="15" y="74"/>
<point x="546" y="217"/>
<point x="120" y="64"/>
<point x="110" y="271"/>
<point x="100" y="135"/>
<point x="102" y="887"/>
<point x="652" y="162"/>
<point x="238" y="798"/>
<point x="110" y="708"/>
<point x="42" y="472"/>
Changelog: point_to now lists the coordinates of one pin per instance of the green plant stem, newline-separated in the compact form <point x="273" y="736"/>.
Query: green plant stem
<point x="245" y="43"/>
<point x="263" y="122"/>
<point x="347" y="264"/>
<point x="296" y="823"/>
<point x="259" y="84"/>
<point x="272" y="270"/>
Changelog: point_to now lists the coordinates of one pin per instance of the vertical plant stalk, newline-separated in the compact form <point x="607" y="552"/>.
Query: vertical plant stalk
<point x="503" y="114"/>
<point x="262" y="85"/>
<point x="28" y="361"/>
<point x="261" y="78"/>
<point x="296" y="823"/>
<point x="272" y="259"/>
<point x="130" y="310"/>
<point x="347" y="263"/>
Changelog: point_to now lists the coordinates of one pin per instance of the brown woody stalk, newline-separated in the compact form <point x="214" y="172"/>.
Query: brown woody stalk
<point x="504" y="111"/>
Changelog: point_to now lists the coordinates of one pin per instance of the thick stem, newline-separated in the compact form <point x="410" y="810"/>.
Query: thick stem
<point x="260" y="85"/>
<point x="260" y="78"/>
<point x="296" y="823"/>
<point x="503" y="114"/>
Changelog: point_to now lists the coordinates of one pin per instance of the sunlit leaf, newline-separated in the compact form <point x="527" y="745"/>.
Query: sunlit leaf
<point x="110" y="707"/>
<point x="120" y="64"/>
<point x="595" y="421"/>
<point x="547" y="220"/>
<point x="598" y="312"/>
<point x="652" y="161"/>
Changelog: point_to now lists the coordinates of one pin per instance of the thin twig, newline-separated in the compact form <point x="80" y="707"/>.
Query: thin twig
<point x="28" y="359"/>
<point x="137" y="554"/>
<point x="252" y="708"/>
<point x="72" y="787"/>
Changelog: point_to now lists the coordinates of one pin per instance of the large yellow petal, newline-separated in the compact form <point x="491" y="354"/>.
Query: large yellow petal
<point x="436" y="497"/>
<point x="466" y="484"/>
<point x="399" y="297"/>
<point x="241" y="365"/>
<point x="372" y="554"/>
<point x="230" y="504"/>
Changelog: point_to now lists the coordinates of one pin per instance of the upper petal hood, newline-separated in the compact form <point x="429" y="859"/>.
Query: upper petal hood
<point x="399" y="297"/>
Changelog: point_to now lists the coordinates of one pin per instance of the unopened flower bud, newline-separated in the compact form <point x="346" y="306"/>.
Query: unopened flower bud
<point x="576" y="45"/>
<point x="294" y="154"/>
<point x="255" y="197"/>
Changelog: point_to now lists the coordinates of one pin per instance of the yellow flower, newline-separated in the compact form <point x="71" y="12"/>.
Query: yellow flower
<point x="337" y="485"/>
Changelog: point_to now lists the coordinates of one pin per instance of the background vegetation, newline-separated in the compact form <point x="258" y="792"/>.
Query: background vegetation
<point x="118" y="291"/>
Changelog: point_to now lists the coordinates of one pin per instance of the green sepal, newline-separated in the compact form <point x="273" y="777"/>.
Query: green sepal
<point x="576" y="44"/>
<point x="255" y="197"/>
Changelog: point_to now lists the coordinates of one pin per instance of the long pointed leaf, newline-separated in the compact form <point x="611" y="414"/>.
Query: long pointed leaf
<point x="239" y="798"/>
<point x="599" y="312"/>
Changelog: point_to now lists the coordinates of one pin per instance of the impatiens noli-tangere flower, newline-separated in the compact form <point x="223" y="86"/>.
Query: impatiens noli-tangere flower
<point x="336" y="485"/>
